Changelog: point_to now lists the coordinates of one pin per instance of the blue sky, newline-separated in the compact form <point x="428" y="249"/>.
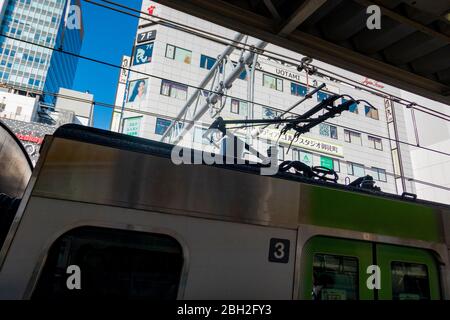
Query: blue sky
<point x="108" y="36"/>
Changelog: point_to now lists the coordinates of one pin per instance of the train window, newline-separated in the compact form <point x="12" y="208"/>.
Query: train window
<point x="335" y="277"/>
<point x="410" y="281"/>
<point x="112" y="263"/>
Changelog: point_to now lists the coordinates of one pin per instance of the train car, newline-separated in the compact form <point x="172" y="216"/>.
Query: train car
<point x="116" y="212"/>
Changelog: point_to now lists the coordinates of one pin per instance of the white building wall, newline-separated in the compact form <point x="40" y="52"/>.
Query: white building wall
<point x="17" y="107"/>
<point x="431" y="169"/>
<point x="81" y="103"/>
<point x="161" y="67"/>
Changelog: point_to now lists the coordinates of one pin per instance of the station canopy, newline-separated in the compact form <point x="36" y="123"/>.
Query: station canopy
<point x="411" y="51"/>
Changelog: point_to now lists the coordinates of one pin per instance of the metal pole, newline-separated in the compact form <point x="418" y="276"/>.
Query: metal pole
<point x="251" y="94"/>
<point x="228" y="50"/>
<point x="416" y="133"/>
<point x="218" y="92"/>
<point x="399" y="153"/>
<point x="307" y="96"/>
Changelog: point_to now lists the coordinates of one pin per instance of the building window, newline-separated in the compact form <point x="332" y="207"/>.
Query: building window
<point x="18" y="111"/>
<point x="272" y="82"/>
<point x="375" y="143"/>
<point x="333" y="132"/>
<point x="178" y="54"/>
<point x="198" y="136"/>
<point x="302" y="156"/>
<point x="174" y="90"/>
<point x="234" y="106"/>
<point x="328" y="131"/>
<point x="371" y="112"/>
<point x="161" y="126"/>
<point x="380" y="174"/>
<point x="335" y="277"/>
<point x="114" y="264"/>
<point x="295" y="155"/>
<point x="207" y="62"/>
<point x="336" y="165"/>
<point x="281" y="153"/>
<point x="322" y="96"/>
<point x="298" y="89"/>
<point x="353" y="106"/>
<point x="269" y="113"/>
<point x="410" y="281"/>
<point x="352" y="137"/>
<point x="239" y="107"/>
<point x="355" y="169"/>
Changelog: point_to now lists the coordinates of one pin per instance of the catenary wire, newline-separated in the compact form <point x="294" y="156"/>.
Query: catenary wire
<point x="407" y="103"/>
<point x="351" y="82"/>
<point x="154" y="114"/>
<point x="210" y="91"/>
<point x="103" y="104"/>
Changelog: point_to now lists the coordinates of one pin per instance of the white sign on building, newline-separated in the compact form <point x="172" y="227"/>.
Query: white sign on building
<point x="304" y="142"/>
<point x="120" y="93"/>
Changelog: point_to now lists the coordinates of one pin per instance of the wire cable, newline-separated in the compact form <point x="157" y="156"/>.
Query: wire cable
<point x="386" y="95"/>
<point x="209" y="91"/>
<point x="406" y="103"/>
<point x="96" y="103"/>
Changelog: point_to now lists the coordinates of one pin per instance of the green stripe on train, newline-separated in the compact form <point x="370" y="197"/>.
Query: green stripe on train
<point x="354" y="211"/>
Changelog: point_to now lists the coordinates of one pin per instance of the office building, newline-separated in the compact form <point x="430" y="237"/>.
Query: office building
<point x="48" y="24"/>
<point x="168" y="64"/>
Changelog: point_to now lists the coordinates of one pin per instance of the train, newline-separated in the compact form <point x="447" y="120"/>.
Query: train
<point x="114" y="214"/>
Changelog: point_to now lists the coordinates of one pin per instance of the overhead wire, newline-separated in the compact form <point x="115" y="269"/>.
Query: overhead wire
<point x="206" y="90"/>
<point x="273" y="55"/>
<point x="411" y="104"/>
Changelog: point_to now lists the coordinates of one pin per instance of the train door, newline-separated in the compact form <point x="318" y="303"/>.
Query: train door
<point x="407" y="273"/>
<point x="337" y="269"/>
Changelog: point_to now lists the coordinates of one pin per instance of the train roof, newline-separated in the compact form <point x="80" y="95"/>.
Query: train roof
<point x="156" y="148"/>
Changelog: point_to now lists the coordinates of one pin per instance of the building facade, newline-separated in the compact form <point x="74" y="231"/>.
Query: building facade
<point x="37" y="67"/>
<point x="18" y="107"/>
<point x="431" y="164"/>
<point x="168" y="64"/>
<point x="81" y="104"/>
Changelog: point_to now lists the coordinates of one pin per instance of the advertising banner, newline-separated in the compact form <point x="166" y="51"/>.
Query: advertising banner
<point x="143" y="54"/>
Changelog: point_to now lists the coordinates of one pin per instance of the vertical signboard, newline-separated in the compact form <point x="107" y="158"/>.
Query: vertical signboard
<point x="120" y="93"/>
<point x="115" y="120"/>
<point x="395" y="146"/>
<point x="124" y="71"/>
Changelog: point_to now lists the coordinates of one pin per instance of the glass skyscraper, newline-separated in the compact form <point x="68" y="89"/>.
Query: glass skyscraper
<point x="31" y="67"/>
